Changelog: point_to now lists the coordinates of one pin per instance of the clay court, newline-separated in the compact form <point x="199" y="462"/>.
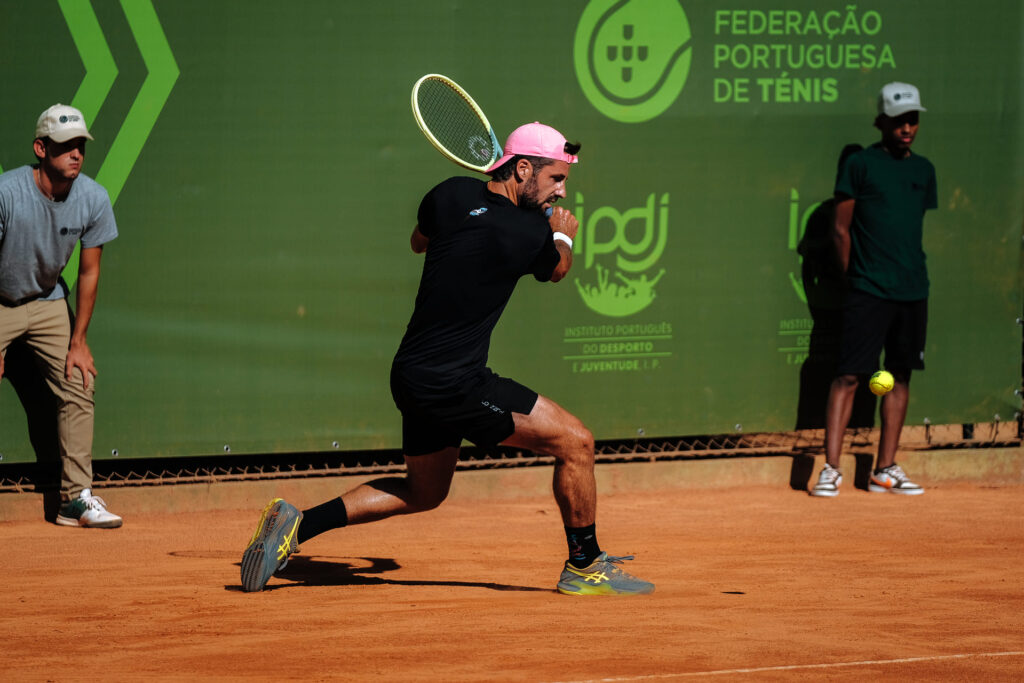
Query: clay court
<point x="754" y="582"/>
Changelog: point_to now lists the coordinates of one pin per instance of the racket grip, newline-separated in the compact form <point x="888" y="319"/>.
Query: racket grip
<point x="548" y="211"/>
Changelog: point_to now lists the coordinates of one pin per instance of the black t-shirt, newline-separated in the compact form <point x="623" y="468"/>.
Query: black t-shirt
<point x="480" y="245"/>
<point x="890" y="198"/>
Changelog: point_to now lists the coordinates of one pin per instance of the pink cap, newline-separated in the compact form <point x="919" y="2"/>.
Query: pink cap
<point x="535" y="140"/>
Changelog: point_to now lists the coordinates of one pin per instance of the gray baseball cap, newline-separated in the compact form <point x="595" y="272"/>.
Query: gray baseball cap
<point x="899" y="98"/>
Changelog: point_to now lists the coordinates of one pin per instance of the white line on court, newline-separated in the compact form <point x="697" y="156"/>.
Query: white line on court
<point x="797" y="667"/>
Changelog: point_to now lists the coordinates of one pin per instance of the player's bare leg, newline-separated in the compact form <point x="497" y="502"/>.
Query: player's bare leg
<point x="282" y="526"/>
<point x="425" y="485"/>
<point x="552" y="430"/>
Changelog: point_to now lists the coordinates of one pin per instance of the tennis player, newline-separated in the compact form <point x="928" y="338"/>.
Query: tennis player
<point x="479" y="239"/>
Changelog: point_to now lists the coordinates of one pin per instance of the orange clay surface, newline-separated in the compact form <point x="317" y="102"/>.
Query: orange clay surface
<point x="753" y="583"/>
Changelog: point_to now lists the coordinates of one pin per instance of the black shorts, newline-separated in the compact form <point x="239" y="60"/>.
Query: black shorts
<point x="871" y="324"/>
<point x="481" y="414"/>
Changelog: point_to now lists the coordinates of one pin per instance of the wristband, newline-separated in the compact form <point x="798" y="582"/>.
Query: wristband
<point x="563" y="237"/>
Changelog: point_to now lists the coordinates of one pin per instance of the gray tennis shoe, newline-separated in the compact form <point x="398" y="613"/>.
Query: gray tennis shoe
<point x="602" y="577"/>
<point x="271" y="545"/>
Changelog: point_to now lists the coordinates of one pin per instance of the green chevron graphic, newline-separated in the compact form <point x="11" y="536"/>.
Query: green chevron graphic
<point x="100" y="74"/>
<point x="100" y="70"/>
<point x="163" y="72"/>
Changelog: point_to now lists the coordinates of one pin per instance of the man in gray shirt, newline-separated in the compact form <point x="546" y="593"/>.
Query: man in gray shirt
<point x="45" y="211"/>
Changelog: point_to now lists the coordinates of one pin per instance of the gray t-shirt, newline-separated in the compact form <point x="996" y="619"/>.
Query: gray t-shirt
<point x="38" y="236"/>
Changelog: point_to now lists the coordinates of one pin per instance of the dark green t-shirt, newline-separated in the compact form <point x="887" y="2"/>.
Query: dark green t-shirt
<point x="891" y="196"/>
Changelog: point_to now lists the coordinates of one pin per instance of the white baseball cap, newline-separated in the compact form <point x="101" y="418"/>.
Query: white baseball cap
<point x="61" y="123"/>
<point x="899" y="98"/>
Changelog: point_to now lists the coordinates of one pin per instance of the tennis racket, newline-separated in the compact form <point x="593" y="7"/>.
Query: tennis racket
<point x="454" y="123"/>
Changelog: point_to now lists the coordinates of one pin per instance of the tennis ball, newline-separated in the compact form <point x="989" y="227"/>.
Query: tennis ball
<point x="881" y="383"/>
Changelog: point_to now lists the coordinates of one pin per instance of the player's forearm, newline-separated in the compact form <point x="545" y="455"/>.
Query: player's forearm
<point x="564" y="264"/>
<point x="564" y="226"/>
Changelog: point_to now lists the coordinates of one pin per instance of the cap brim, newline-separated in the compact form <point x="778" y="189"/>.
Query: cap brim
<point x="499" y="163"/>
<point x="900" y="110"/>
<point x="70" y="134"/>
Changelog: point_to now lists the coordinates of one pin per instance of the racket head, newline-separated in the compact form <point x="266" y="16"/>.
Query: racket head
<point x="454" y="123"/>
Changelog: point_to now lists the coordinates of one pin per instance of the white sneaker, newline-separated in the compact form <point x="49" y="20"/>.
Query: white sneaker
<point x="828" y="482"/>
<point x="89" y="511"/>
<point x="893" y="480"/>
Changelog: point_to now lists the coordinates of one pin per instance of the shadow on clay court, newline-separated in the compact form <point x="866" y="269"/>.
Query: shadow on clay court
<point x="862" y="473"/>
<point x="802" y="470"/>
<point x="321" y="571"/>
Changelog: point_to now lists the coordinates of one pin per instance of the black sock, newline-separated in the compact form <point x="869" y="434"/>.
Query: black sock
<point x="323" y="517"/>
<point x="583" y="548"/>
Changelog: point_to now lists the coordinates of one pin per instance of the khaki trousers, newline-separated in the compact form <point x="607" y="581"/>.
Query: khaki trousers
<point x="45" y="328"/>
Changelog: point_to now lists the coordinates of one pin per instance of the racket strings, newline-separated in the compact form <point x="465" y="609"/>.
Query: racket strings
<point x="455" y="124"/>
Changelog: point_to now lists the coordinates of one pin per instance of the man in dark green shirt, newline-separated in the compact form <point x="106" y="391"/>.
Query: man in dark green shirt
<point x="882" y="193"/>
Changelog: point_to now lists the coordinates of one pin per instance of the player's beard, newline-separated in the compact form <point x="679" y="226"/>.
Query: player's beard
<point x="529" y="198"/>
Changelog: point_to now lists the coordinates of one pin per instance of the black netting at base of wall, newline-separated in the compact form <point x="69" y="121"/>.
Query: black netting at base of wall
<point x="41" y="477"/>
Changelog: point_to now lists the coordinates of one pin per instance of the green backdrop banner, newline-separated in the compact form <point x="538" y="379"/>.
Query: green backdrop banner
<point x="266" y="170"/>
